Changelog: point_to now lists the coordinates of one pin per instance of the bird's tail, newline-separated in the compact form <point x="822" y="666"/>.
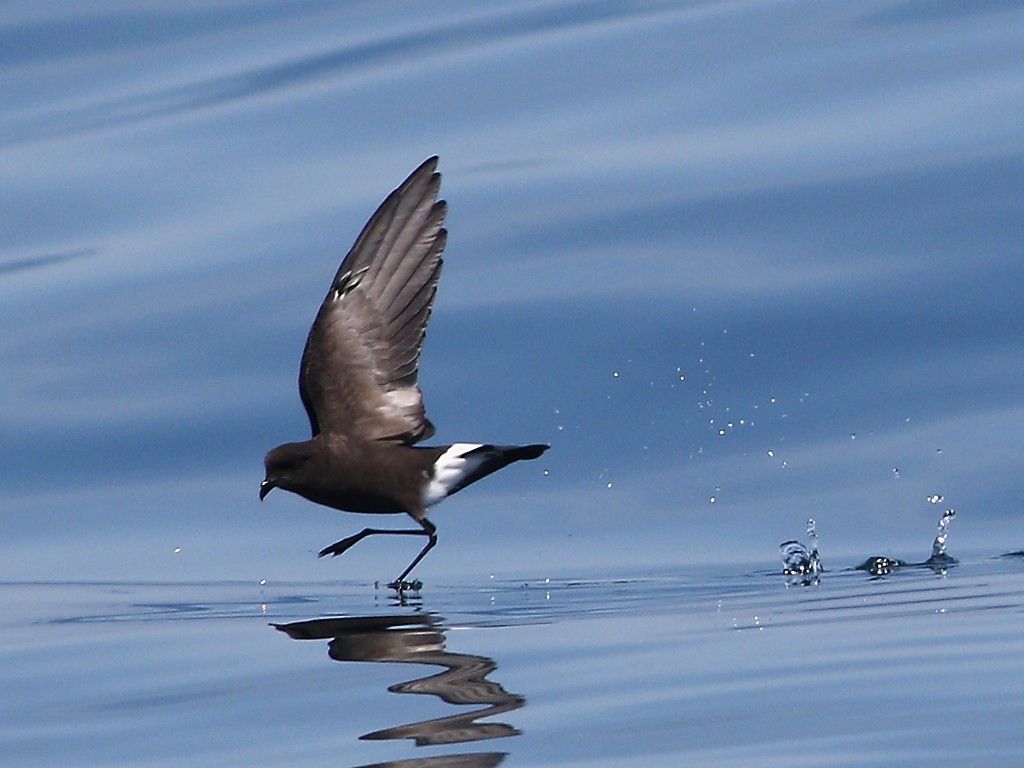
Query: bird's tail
<point x="519" y="452"/>
<point x="465" y="463"/>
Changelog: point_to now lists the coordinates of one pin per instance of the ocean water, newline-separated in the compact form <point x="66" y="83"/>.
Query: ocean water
<point x="711" y="666"/>
<point x="742" y="264"/>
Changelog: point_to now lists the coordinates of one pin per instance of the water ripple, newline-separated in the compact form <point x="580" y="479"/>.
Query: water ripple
<point x="357" y="60"/>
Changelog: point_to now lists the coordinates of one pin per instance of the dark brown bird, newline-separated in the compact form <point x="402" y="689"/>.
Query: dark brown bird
<point x="358" y="379"/>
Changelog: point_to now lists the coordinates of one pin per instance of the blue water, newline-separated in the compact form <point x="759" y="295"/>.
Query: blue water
<point x="741" y="263"/>
<point x="686" y="667"/>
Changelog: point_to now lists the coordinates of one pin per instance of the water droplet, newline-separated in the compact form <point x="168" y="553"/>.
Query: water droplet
<point x="615" y="374"/>
<point x="712" y="500"/>
<point x="547" y="472"/>
<point x="802" y="564"/>
<point x="853" y="435"/>
<point x="939" y="545"/>
<point x="177" y="550"/>
<point x="609" y="485"/>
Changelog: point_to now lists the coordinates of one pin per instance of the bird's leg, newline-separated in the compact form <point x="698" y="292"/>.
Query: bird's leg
<point x="428" y="530"/>
<point x="339" y="547"/>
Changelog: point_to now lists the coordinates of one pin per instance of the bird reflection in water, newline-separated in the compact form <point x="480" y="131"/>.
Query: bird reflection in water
<point x="419" y="639"/>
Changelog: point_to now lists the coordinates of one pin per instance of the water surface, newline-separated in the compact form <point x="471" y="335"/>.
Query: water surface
<point x="689" y="667"/>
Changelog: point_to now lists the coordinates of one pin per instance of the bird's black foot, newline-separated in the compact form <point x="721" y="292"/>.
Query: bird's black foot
<point x="402" y="585"/>
<point x="339" y="547"/>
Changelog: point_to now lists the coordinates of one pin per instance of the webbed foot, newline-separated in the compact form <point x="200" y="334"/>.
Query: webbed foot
<point x="339" y="547"/>
<point x="402" y="585"/>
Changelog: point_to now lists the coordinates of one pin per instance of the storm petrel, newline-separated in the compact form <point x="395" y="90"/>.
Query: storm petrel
<point x="358" y="374"/>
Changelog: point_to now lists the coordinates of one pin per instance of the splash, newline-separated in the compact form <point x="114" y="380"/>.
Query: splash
<point x="801" y="565"/>
<point x="881" y="565"/>
<point x="939" y="545"/>
<point x="939" y="560"/>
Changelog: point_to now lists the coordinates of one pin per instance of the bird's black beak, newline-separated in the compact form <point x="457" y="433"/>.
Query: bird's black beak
<point x="266" y="487"/>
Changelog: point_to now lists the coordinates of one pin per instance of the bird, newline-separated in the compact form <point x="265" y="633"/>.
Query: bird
<point x="358" y="381"/>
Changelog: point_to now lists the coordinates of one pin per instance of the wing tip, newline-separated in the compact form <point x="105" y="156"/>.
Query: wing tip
<point x="427" y="168"/>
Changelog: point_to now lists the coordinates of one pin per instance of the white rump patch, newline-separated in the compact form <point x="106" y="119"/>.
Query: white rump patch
<point x="450" y="469"/>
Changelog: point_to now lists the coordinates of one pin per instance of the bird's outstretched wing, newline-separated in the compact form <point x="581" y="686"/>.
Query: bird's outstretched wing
<point x="361" y="361"/>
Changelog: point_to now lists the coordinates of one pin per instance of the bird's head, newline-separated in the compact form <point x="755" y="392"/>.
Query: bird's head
<point x="283" y="465"/>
